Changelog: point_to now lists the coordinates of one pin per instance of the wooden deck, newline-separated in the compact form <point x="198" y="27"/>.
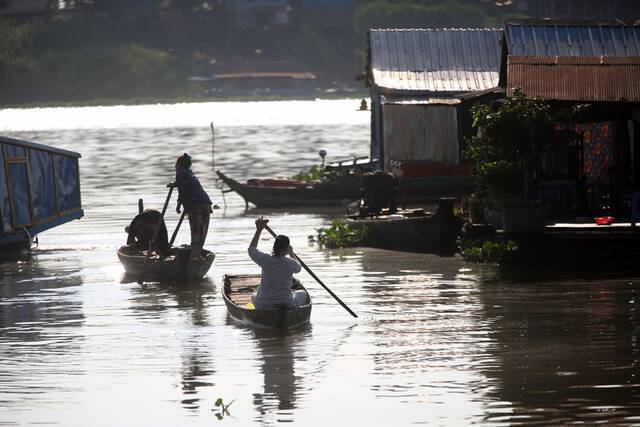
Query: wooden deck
<point x="242" y="287"/>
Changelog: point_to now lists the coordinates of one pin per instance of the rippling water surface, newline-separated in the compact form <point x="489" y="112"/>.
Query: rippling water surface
<point x="438" y="341"/>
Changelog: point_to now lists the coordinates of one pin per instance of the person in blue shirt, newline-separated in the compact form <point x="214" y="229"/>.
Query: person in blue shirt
<point x="195" y="201"/>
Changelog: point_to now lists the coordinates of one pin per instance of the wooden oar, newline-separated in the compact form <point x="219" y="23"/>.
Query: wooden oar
<point x="175" y="233"/>
<point x="312" y="274"/>
<point x="155" y="236"/>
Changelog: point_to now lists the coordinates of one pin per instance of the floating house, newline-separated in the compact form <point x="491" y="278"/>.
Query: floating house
<point x="423" y="83"/>
<point x="39" y="190"/>
<point x="263" y="78"/>
<point x="596" y="65"/>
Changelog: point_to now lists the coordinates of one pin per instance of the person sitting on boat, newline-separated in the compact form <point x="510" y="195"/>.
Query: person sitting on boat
<point x="142" y="228"/>
<point x="196" y="203"/>
<point x="277" y="272"/>
<point x="379" y="190"/>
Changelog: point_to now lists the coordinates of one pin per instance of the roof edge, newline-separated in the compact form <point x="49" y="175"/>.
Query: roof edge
<point x="542" y="22"/>
<point x="389" y="30"/>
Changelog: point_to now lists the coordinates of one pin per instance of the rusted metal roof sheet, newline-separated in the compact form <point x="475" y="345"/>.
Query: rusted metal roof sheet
<point x="435" y="60"/>
<point x="567" y="78"/>
<point x="572" y="38"/>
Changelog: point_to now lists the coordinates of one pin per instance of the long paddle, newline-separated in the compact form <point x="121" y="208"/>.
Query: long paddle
<point x="155" y="236"/>
<point x="315" y="277"/>
<point x="175" y="233"/>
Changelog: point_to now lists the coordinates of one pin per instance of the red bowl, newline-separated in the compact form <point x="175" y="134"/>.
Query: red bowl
<point x="604" y="220"/>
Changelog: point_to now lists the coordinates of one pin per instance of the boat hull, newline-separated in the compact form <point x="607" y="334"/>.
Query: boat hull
<point x="431" y="233"/>
<point x="237" y="292"/>
<point x="344" y="191"/>
<point x="173" y="268"/>
<point x="320" y="194"/>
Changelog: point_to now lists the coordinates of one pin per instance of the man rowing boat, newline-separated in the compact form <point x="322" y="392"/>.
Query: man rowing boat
<point x="277" y="272"/>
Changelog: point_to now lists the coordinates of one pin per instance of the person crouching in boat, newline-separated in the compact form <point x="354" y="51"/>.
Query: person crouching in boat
<point x="196" y="203"/>
<point x="277" y="273"/>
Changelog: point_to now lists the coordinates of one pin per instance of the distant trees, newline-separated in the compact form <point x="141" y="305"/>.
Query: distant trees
<point x="425" y="14"/>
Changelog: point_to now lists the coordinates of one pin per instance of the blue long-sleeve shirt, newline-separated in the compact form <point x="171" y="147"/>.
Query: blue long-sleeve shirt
<point x="190" y="192"/>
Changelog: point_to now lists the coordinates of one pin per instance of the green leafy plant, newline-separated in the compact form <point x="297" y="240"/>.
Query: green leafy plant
<point x="511" y="137"/>
<point x="224" y="409"/>
<point x="314" y="173"/>
<point x="342" y="235"/>
<point x="488" y="251"/>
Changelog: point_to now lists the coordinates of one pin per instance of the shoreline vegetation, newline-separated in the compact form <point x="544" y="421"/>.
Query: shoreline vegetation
<point x="99" y="53"/>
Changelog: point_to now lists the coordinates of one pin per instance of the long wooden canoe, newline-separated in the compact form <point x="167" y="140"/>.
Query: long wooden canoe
<point x="342" y="190"/>
<point x="289" y="193"/>
<point x="237" y="292"/>
<point x="175" y="267"/>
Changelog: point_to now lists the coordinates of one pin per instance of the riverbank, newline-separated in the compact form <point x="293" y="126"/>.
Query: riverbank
<point x="109" y="102"/>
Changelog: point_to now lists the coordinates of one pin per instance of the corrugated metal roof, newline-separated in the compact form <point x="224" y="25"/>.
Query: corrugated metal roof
<point x="572" y="38"/>
<point x="566" y="78"/>
<point x="435" y="60"/>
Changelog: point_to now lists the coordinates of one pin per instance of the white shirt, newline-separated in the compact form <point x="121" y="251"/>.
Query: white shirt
<point x="277" y="278"/>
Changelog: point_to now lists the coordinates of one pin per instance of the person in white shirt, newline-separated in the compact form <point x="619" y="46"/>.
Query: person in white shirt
<point x="277" y="272"/>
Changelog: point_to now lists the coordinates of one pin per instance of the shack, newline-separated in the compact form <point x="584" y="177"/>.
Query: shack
<point x="39" y="190"/>
<point x="589" y="173"/>
<point x="259" y="78"/>
<point x="594" y="65"/>
<point x="422" y="84"/>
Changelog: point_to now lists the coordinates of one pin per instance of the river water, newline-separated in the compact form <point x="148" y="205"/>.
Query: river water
<point x="437" y="341"/>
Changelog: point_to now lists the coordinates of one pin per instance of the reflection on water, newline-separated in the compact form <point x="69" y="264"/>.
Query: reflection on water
<point x="437" y="341"/>
<point x="281" y="385"/>
<point x="572" y="350"/>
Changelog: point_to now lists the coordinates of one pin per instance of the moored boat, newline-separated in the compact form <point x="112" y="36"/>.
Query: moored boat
<point x="175" y="267"/>
<point x="39" y="190"/>
<point x="237" y="291"/>
<point x="413" y="230"/>
<point x="287" y="192"/>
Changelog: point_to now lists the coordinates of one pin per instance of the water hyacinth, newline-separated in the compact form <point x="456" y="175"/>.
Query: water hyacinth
<point x="342" y="235"/>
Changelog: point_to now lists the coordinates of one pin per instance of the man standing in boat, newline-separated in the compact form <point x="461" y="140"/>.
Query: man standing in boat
<point x="277" y="272"/>
<point x="195" y="201"/>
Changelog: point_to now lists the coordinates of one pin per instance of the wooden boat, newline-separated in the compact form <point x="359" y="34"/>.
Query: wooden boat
<point x="175" y="267"/>
<point x="341" y="190"/>
<point x="413" y="230"/>
<point x="237" y="292"/>
<point x="286" y="192"/>
<point x="39" y="190"/>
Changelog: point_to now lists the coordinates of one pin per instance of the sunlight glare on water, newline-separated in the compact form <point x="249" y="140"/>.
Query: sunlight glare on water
<point x="437" y="341"/>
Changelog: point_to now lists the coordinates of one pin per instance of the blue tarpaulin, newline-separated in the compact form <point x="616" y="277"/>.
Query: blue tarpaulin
<point x="42" y="182"/>
<point x="68" y="186"/>
<point x="5" y="209"/>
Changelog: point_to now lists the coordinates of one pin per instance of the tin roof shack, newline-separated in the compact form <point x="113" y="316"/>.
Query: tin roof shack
<point x="586" y="173"/>
<point x="39" y="190"/>
<point x="595" y="65"/>
<point x="416" y="76"/>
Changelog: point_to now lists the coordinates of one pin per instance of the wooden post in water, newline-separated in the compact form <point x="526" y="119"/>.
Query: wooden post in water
<point x="213" y="140"/>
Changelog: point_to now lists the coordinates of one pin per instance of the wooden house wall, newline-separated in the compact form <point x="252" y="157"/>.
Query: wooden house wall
<point x="420" y="132"/>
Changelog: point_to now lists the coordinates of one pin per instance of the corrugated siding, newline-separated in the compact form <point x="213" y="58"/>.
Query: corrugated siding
<point x="587" y="78"/>
<point x="418" y="132"/>
<point x="572" y="40"/>
<point x="435" y="60"/>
